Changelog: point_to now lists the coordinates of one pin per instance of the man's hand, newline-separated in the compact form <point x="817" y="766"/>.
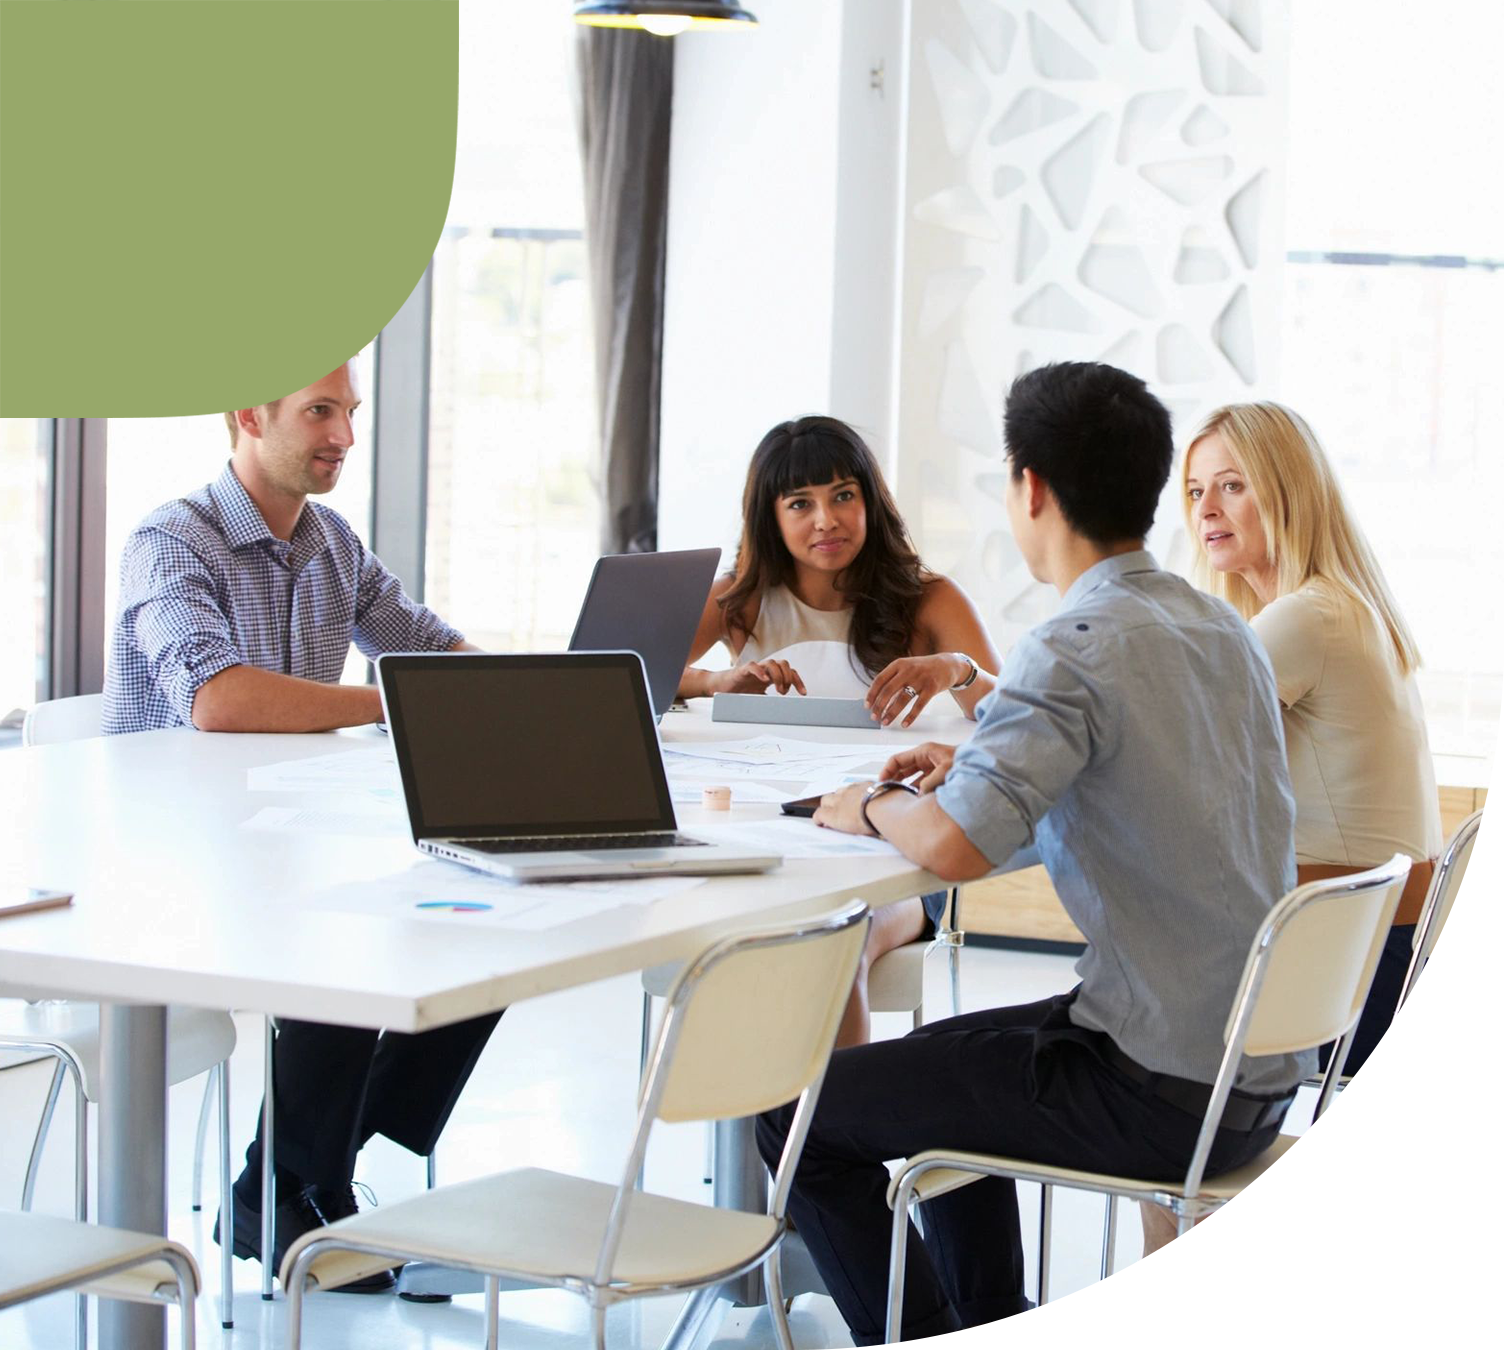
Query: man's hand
<point x="931" y="760"/>
<point x="842" y="810"/>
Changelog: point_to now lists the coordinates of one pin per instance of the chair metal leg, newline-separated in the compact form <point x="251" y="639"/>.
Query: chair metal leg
<point x="431" y="1172"/>
<point x="34" y="1163"/>
<point x="184" y="1275"/>
<point x="297" y="1281"/>
<point x="958" y="939"/>
<point x="919" y="1015"/>
<point x="199" y="1135"/>
<point x="642" y="1068"/>
<point x="1185" y="1280"/>
<point x="226" y="1202"/>
<point x="708" y="1175"/>
<point x="493" y="1312"/>
<point x="80" y="1152"/>
<point x="898" y="1255"/>
<point x="772" y="1270"/>
<point x="647" y="1033"/>
<point x="598" y="1326"/>
<point x="1046" y="1223"/>
<point x="80" y="1191"/>
<point x="1109" y="1235"/>
<point x="268" y="1165"/>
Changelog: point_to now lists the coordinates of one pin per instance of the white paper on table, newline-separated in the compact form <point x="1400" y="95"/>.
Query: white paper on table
<point x="373" y="770"/>
<point x="687" y="791"/>
<point x="434" y="890"/>
<point x="795" y="837"/>
<point x="780" y="750"/>
<point x="790" y="769"/>
<point x="373" y="821"/>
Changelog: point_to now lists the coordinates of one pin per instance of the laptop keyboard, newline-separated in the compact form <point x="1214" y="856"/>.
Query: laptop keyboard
<point x="582" y="842"/>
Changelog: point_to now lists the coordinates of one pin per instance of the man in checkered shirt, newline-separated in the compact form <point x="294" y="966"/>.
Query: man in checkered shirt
<point x="238" y="604"/>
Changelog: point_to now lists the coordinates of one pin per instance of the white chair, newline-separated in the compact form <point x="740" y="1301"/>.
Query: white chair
<point x="895" y="984"/>
<point x="199" y="1040"/>
<point x="1445" y="883"/>
<point x="1479" y="823"/>
<point x="1307" y="975"/>
<point x="63" y="719"/>
<point x="749" y="1026"/>
<point x="44" y="1255"/>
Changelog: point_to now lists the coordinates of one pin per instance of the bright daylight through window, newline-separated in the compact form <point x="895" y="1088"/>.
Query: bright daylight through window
<point x="1394" y="286"/>
<point x="513" y="513"/>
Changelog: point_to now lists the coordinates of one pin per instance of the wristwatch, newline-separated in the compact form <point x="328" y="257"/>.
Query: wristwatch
<point x="877" y="790"/>
<point x="970" y="679"/>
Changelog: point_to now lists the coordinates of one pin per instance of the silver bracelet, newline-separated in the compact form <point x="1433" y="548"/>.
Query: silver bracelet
<point x="970" y="679"/>
<point x="877" y="790"/>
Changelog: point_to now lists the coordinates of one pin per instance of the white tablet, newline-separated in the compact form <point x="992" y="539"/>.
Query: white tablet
<point x="792" y="710"/>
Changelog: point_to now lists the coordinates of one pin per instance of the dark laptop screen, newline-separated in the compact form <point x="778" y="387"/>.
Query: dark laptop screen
<point x="524" y="745"/>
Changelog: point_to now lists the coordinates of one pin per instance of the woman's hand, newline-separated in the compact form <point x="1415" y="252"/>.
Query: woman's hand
<point x="932" y="761"/>
<point x="753" y="677"/>
<point x="911" y="682"/>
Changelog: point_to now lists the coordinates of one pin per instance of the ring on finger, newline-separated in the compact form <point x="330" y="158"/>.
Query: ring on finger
<point x="909" y="691"/>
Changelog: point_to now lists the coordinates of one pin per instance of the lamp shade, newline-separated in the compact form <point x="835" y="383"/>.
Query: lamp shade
<point x="666" y="18"/>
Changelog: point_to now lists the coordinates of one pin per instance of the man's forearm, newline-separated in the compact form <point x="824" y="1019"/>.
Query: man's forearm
<point x="921" y="831"/>
<point x="245" y="698"/>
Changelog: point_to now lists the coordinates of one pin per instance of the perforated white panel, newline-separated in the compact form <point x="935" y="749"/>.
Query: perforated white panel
<point x="1086" y="180"/>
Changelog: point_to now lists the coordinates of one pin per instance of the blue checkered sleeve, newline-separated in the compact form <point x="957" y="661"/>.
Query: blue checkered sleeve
<point x="388" y="620"/>
<point x="180" y="628"/>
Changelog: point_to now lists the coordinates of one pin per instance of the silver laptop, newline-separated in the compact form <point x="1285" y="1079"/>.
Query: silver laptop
<point x="648" y="603"/>
<point x="540" y="768"/>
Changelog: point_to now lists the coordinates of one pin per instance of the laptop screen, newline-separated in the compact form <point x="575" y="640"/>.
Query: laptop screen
<point x="525" y="745"/>
<point x="649" y="603"/>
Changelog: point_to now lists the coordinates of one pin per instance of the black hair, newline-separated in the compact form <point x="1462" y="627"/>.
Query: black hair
<point x="884" y="582"/>
<point x="1098" y="438"/>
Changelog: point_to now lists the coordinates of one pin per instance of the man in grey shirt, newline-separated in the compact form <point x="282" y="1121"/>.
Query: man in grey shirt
<point x="1135" y="740"/>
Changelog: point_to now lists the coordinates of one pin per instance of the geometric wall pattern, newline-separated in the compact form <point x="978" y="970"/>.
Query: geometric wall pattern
<point x="1085" y="180"/>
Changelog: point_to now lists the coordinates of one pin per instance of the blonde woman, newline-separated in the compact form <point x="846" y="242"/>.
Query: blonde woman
<point x="1276" y="540"/>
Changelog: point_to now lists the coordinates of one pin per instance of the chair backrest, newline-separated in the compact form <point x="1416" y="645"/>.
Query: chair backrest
<point x="1445" y="883"/>
<point x="1306" y="978"/>
<point x="63" y="719"/>
<point x="749" y="1025"/>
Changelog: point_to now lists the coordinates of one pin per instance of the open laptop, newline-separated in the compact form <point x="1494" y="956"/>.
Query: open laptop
<point x="540" y="768"/>
<point x="649" y="603"/>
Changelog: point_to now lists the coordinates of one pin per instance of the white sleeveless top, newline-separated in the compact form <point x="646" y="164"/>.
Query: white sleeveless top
<point x="816" y="642"/>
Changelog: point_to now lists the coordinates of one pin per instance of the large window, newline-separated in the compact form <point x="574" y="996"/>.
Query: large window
<point x="513" y="509"/>
<point x="1393" y="300"/>
<point x="25" y="460"/>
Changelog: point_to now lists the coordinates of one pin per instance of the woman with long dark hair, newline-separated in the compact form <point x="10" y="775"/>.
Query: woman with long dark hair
<point x="828" y="597"/>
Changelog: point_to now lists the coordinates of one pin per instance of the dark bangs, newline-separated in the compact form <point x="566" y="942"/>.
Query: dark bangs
<point x="811" y="454"/>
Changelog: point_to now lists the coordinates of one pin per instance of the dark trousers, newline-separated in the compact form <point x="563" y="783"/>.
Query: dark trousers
<point x="1021" y="1081"/>
<point x="336" y="1087"/>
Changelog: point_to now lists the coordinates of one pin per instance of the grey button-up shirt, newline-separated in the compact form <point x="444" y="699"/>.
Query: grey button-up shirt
<point x="1135" y="738"/>
<point x="205" y="585"/>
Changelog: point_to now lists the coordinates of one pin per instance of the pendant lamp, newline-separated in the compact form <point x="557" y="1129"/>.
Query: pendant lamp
<point x="666" y="18"/>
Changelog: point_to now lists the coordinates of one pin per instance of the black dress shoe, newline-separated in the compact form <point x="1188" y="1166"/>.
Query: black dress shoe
<point x="295" y="1216"/>
<point x="335" y="1205"/>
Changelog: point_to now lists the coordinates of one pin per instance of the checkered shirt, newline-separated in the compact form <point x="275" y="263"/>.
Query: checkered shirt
<point x="204" y="585"/>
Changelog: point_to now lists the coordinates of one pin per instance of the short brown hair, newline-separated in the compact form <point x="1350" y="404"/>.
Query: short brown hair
<point x="234" y="425"/>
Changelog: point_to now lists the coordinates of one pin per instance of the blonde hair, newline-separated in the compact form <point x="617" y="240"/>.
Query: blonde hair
<point x="1309" y="533"/>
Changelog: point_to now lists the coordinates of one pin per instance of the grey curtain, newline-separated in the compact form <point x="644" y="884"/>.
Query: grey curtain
<point x="626" y="96"/>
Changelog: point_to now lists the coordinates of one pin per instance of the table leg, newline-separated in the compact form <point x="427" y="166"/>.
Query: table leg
<point x="132" y="1153"/>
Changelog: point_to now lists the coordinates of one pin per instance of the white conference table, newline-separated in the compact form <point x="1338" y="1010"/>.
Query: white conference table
<point x="175" y="903"/>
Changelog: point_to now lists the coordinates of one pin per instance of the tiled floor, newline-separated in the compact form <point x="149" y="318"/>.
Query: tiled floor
<point x="555" y="1088"/>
